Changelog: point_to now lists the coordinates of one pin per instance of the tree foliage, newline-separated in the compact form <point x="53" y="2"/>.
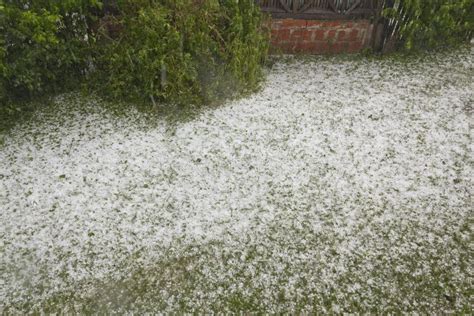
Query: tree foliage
<point x="422" y="24"/>
<point x="185" y="50"/>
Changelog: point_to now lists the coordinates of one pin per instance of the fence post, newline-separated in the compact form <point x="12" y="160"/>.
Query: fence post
<point x="375" y="31"/>
<point x="389" y="32"/>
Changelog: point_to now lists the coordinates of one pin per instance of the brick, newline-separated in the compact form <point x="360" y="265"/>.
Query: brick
<point x="319" y="35"/>
<point x="293" y="23"/>
<point x="332" y="24"/>
<point x="335" y="48"/>
<point x="296" y="34"/>
<point x="283" y="35"/>
<point x="314" y="24"/>
<point x="303" y="47"/>
<point x="354" y="47"/>
<point x="293" y="48"/>
<point x="298" y="48"/>
<point x="308" y="35"/>
<point x="330" y="35"/>
<point x="321" y="47"/>
<point x="277" y="25"/>
<point x="341" y="35"/>
<point x="354" y="35"/>
<point x="325" y="48"/>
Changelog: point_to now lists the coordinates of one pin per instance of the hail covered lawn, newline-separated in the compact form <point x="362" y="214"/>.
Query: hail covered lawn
<point x="343" y="185"/>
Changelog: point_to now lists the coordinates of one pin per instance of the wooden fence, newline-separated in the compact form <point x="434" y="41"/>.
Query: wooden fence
<point x="304" y="9"/>
<point x="320" y="9"/>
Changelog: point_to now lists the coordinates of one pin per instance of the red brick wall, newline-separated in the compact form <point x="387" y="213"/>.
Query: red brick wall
<point x="320" y="37"/>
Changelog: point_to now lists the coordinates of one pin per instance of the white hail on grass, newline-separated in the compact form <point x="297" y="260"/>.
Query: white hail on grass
<point x="332" y="162"/>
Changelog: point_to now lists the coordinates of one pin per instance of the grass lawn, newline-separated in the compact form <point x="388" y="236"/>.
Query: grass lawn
<point x="344" y="185"/>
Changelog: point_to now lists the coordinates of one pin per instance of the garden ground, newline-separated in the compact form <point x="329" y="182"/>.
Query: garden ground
<point x="345" y="184"/>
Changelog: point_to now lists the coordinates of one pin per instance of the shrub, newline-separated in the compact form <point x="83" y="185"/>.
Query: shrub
<point x="45" y="45"/>
<point x="184" y="51"/>
<point x="179" y="51"/>
<point x="421" y="24"/>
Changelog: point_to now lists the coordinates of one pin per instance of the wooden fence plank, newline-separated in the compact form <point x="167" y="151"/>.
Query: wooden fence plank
<point x="319" y="9"/>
